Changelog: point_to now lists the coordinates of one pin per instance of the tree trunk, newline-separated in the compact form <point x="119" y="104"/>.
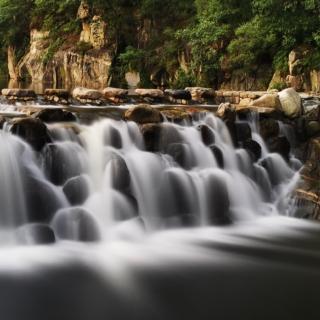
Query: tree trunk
<point x="12" y="64"/>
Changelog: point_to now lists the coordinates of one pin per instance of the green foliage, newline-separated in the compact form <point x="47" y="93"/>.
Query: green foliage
<point x="218" y="37"/>
<point x="183" y="80"/>
<point x="278" y="86"/>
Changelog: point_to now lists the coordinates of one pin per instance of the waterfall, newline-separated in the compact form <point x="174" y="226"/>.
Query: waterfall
<point x="92" y="178"/>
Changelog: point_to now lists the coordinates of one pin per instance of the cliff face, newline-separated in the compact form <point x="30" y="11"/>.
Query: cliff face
<point x="70" y="67"/>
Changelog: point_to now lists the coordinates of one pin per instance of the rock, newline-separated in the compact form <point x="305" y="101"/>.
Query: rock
<point x="32" y="130"/>
<point x="269" y="128"/>
<point x="112" y="137"/>
<point x="83" y="10"/>
<point x="200" y="94"/>
<point x="269" y="100"/>
<point x="77" y="190"/>
<point x="313" y="128"/>
<point x="114" y="94"/>
<point x="177" y="115"/>
<point x="218" y="154"/>
<point x="62" y="162"/>
<point x="218" y="201"/>
<point x="150" y="93"/>
<point x="226" y="112"/>
<point x="308" y="192"/>
<point x="243" y="132"/>
<point x="178" y="94"/>
<point x="19" y="94"/>
<point x="179" y="152"/>
<point x="120" y="174"/>
<point x="244" y="103"/>
<point x="143" y="114"/>
<point x="55" y="115"/>
<point x="35" y="234"/>
<point x="207" y="134"/>
<point x="75" y="224"/>
<point x="158" y="136"/>
<point x="42" y="199"/>
<point x="61" y="93"/>
<point x="280" y="145"/>
<point x="84" y="94"/>
<point x="291" y="104"/>
<point x="253" y="148"/>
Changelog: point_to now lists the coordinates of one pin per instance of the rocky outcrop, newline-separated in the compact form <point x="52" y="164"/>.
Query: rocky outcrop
<point x="308" y="193"/>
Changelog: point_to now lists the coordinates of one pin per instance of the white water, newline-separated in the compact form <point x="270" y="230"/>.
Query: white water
<point x="121" y="181"/>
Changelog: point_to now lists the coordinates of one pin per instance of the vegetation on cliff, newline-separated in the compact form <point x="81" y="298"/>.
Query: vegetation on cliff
<point x="175" y="42"/>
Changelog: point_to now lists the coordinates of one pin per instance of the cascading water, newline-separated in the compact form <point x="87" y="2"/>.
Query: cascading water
<point x="103" y="174"/>
<point x="134" y="194"/>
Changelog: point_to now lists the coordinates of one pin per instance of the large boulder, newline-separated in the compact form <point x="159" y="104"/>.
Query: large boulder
<point x="143" y="114"/>
<point x="32" y="130"/>
<point x="85" y="95"/>
<point x="55" y="115"/>
<point x="291" y="103"/>
<point x="269" y="100"/>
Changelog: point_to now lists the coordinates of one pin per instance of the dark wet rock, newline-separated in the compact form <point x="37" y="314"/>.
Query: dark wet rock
<point x="120" y="175"/>
<point x="75" y="224"/>
<point x="2" y="122"/>
<point x="313" y="128"/>
<point x="32" y="130"/>
<point x="254" y="148"/>
<point x="55" y="115"/>
<point x="175" y="196"/>
<point x="112" y="137"/>
<point x="61" y="163"/>
<point x="143" y="114"/>
<point x="77" y="190"/>
<point x="207" y="134"/>
<point x="42" y="201"/>
<point x="218" y="201"/>
<point x="178" y="94"/>
<point x="280" y="145"/>
<point x="158" y="136"/>
<point x="269" y="128"/>
<point x="243" y="132"/>
<point x="218" y="154"/>
<point x="180" y="153"/>
<point x="35" y="234"/>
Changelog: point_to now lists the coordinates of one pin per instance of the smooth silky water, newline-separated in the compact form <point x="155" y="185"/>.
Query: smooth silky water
<point x="176" y="234"/>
